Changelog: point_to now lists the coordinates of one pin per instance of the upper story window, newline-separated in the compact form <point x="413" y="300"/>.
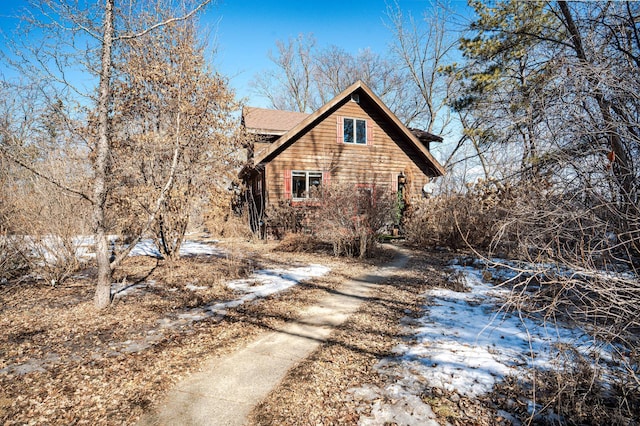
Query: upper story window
<point x="354" y="131"/>
<point x="305" y="184"/>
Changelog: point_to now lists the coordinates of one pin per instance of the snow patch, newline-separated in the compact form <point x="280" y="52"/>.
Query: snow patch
<point x="264" y="283"/>
<point x="194" y="287"/>
<point x="148" y="247"/>
<point x="260" y="284"/>
<point x="465" y="344"/>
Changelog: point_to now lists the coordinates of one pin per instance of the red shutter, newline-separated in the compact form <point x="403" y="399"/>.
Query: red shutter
<point x="370" y="132"/>
<point x="340" y="129"/>
<point x="287" y="184"/>
<point x="326" y="178"/>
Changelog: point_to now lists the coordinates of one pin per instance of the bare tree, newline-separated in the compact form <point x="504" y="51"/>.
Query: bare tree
<point x="104" y="147"/>
<point x="289" y="87"/>
<point x="423" y="48"/>
<point x="51" y="56"/>
<point x="335" y="69"/>
<point x="306" y="78"/>
<point x="174" y="116"/>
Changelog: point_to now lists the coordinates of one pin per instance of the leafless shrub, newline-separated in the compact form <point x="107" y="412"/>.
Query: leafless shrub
<point x="54" y="225"/>
<point x="40" y="224"/>
<point x="578" y="393"/>
<point x="228" y="225"/>
<point x="54" y="258"/>
<point x="283" y="218"/>
<point x="578" y="265"/>
<point x="457" y="220"/>
<point x="350" y="218"/>
<point x="13" y="261"/>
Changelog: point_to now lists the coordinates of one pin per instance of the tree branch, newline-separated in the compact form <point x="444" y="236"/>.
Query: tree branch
<point x="49" y="179"/>
<point x="163" y="23"/>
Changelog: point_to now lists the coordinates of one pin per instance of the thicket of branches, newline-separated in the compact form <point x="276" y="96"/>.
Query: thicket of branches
<point x="42" y="176"/>
<point x="347" y="217"/>
<point x="549" y="91"/>
<point x="145" y="138"/>
<point x="557" y="90"/>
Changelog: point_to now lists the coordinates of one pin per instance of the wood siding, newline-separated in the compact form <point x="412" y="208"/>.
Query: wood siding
<point x="318" y="149"/>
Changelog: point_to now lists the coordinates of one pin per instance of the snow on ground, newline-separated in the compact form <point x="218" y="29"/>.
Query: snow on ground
<point x="148" y="247"/>
<point x="52" y="249"/>
<point x="260" y="284"/>
<point x="463" y="343"/>
<point x="122" y="289"/>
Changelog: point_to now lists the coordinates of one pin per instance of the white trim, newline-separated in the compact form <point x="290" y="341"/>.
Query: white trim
<point x="307" y="186"/>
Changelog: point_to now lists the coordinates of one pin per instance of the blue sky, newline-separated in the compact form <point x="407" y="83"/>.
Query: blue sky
<point x="245" y="31"/>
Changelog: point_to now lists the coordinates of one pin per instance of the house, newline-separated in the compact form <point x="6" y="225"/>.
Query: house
<point x="353" y="139"/>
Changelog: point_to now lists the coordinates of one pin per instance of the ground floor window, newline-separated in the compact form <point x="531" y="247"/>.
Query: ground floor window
<point x="305" y="184"/>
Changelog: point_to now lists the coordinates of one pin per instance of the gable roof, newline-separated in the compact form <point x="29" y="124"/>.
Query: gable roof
<point x="270" y="121"/>
<point x="290" y="136"/>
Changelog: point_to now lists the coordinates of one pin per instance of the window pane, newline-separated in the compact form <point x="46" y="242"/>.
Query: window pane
<point x="299" y="186"/>
<point x="315" y="181"/>
<point x="348" y="130"/>
<point x="361" y="132"/>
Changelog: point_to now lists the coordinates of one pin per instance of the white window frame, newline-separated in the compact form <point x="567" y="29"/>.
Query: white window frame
<point x="306" y="173"/>
<point x="354" y="122"/>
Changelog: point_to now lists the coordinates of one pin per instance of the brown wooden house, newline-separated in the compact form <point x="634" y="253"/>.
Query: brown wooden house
<point x="353" y="139"/>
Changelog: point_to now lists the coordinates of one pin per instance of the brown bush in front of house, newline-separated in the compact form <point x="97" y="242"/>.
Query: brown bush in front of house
<point x="346" y="217"/>
<point x="459" y="220"/>
<point x="283" y="218"/>
<point x="350" y="217"/>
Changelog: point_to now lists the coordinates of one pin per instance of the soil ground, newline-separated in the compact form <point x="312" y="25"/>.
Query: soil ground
<point x="61" y="362"/>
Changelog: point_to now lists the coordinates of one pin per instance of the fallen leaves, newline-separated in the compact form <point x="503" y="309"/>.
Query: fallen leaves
<point x="62" y="363"/>
<point x="111" y="368"/>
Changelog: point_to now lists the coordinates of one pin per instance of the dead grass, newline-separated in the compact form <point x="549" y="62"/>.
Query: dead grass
<point x="63" y="363"/>
<point x="318" y="391"/>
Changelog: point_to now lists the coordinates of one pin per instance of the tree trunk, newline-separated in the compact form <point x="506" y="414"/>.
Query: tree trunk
<point x="102" y="298"/>
<point x="622" y="167"/>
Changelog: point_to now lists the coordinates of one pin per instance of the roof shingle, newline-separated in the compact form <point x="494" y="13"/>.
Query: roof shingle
<point x="270" y="121"/>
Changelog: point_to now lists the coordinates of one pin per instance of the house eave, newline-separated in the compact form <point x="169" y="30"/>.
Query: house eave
<point x="269" y="132"/>
<point x="343" y="97"/>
